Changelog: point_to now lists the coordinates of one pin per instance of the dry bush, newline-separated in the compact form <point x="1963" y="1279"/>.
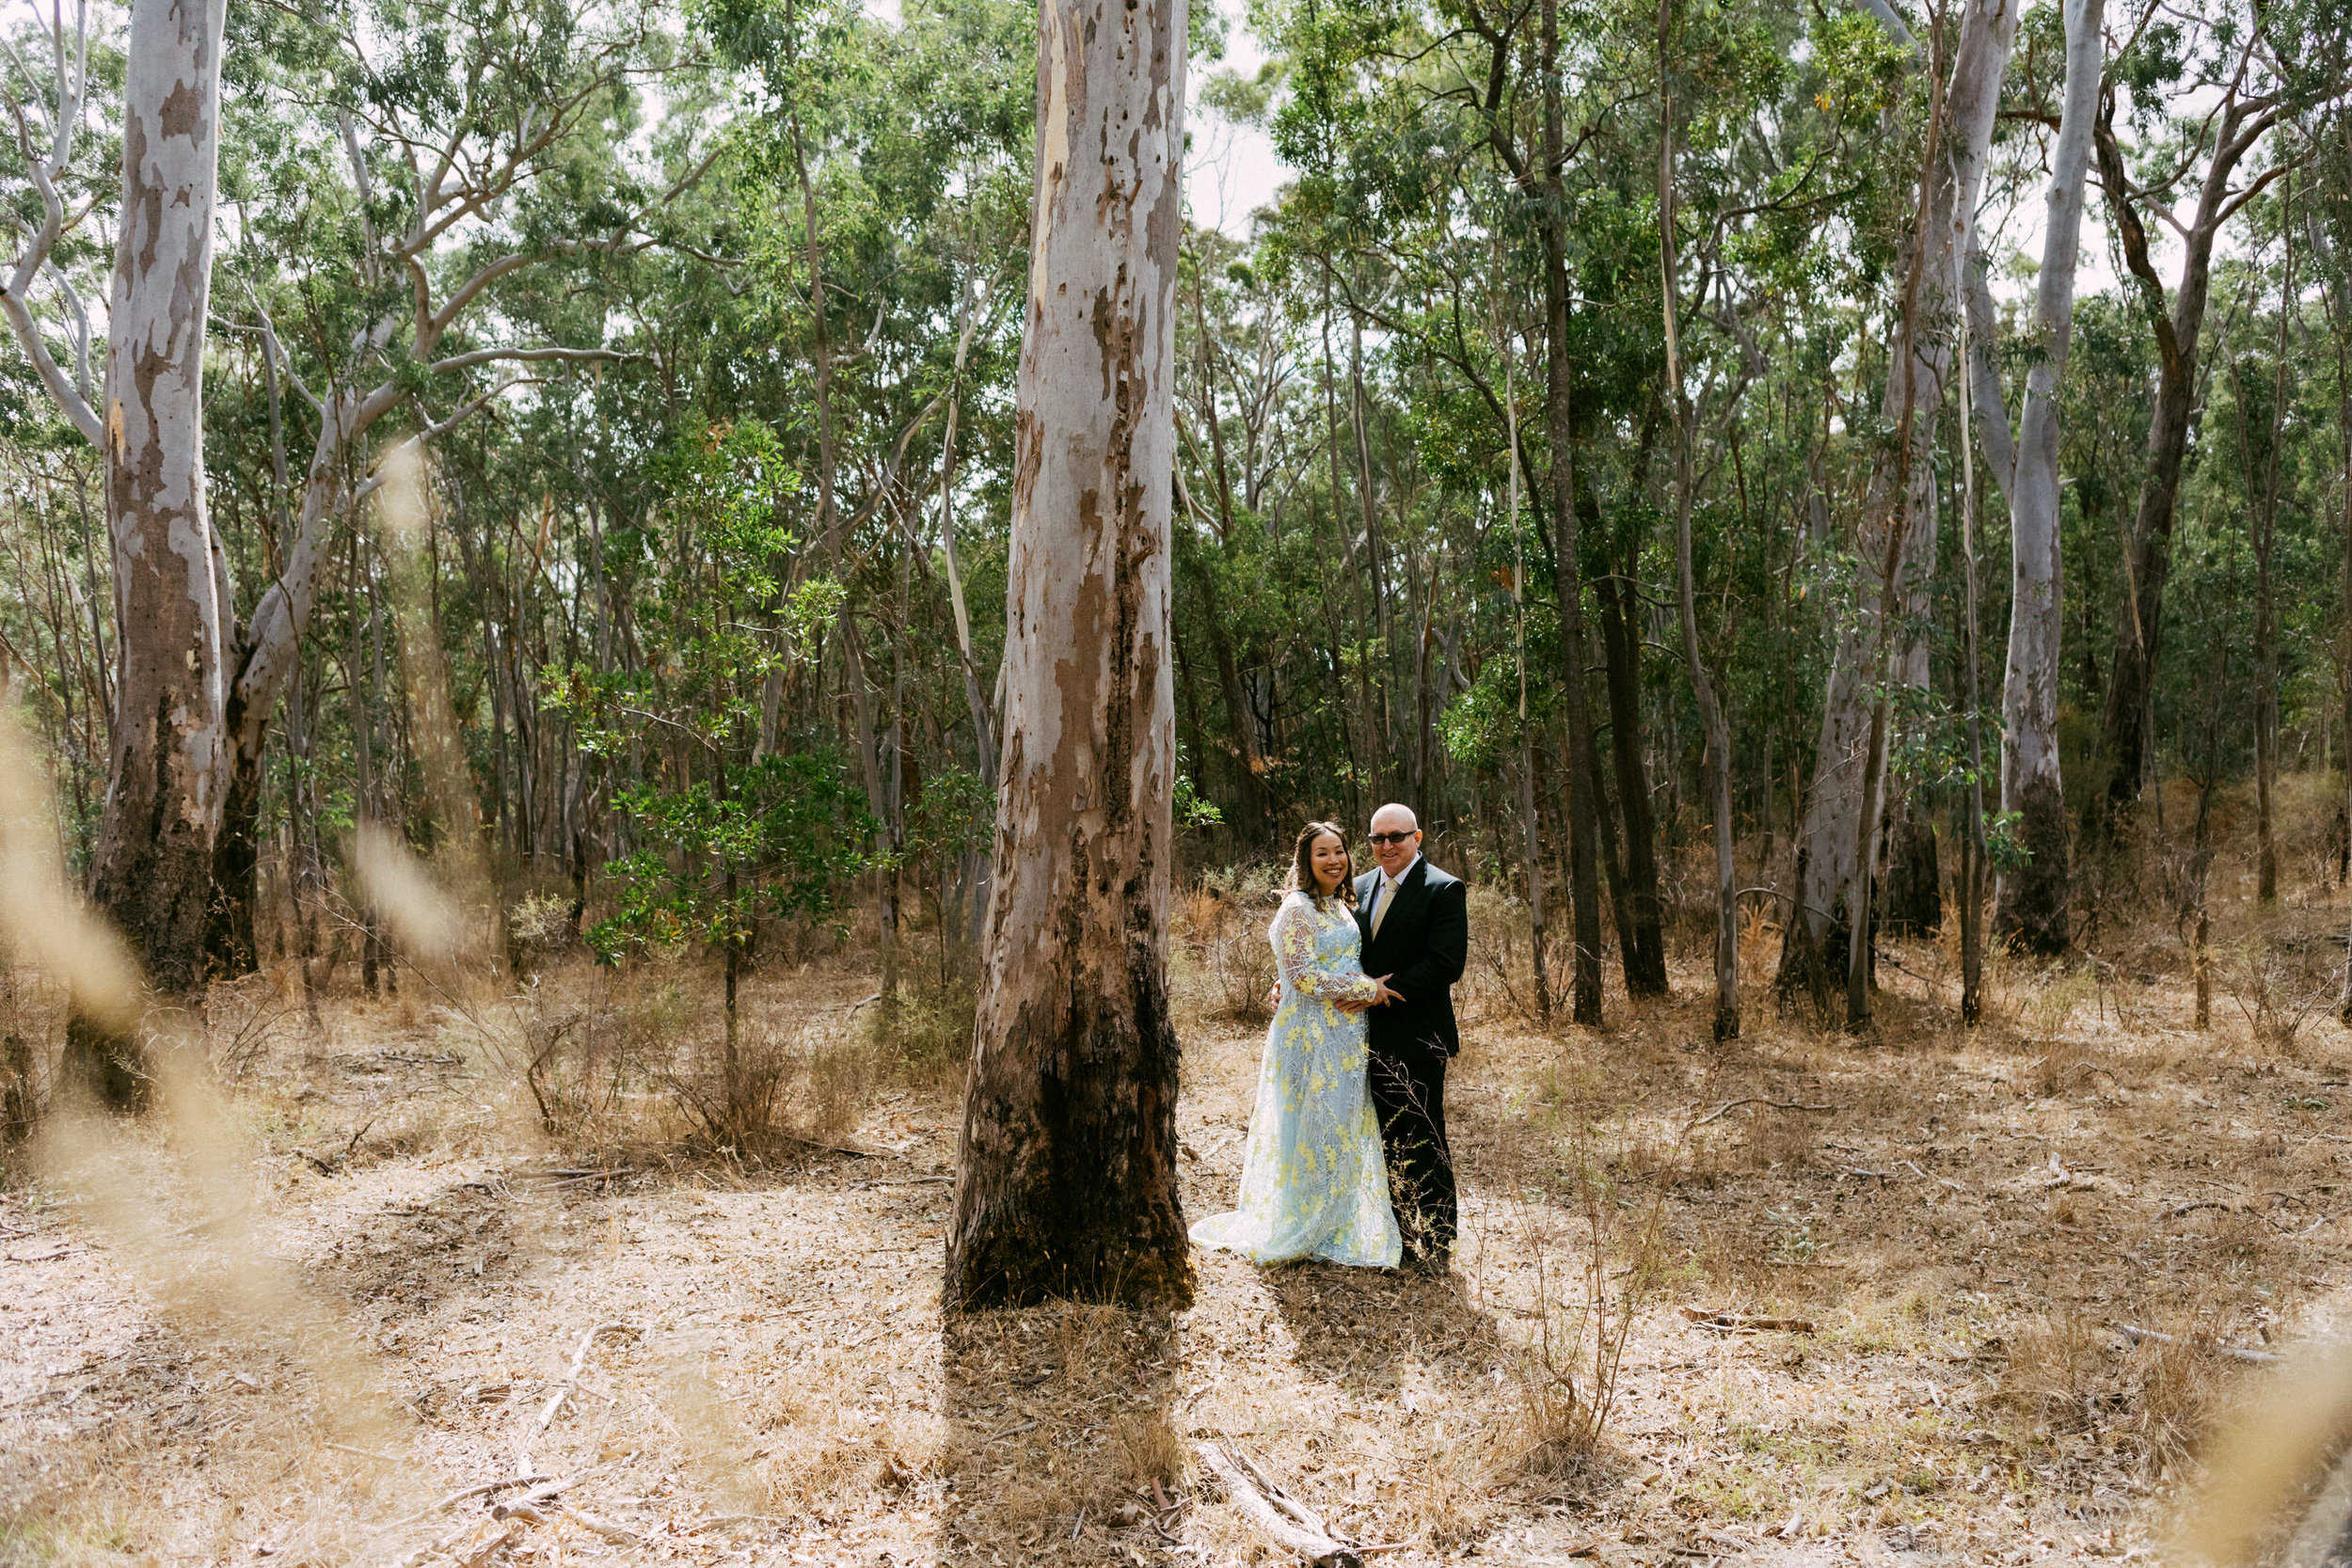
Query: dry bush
<point x="1224" y="919"/>
<point x="1501" y="974"/>
<point x="2052" y="1378"/>
<point x="2051" y="1006"/>
<point x="2279" y="979"/>
<point x="539" y="927"/>
<point x="927" y="1032"/>
<point x="1583" y="1257"/>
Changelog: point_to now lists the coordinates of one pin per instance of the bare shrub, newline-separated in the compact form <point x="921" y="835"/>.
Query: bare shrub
<point x="1584" y="1263"/>
<point x="539" y="927"/>
<point x="2276" y="987"/>
<point x="1225" y="919"/>
<point x="927" y="1032"/>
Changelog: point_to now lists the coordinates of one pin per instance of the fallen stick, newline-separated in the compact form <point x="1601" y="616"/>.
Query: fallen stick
<point x="2256" y="1358"/>
<point x="618" y="1535"/>
<point x="1940" y="1180"/>
<point x="1315" y="1546"/>
<point x="1730" y="1106"/>
<point x="564" y="1390"/>
<point x="1278" y="1497"/>
<point x="455" y="1498"/>
<point x="1741" y="1321"/>
<point x="863" y="1151"/>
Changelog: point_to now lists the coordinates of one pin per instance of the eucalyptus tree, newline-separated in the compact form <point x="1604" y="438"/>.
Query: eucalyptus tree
<point x="169" y="773"/>
<point x="2231" y="85"/>
<point x="488" y="147"/>
<point x="1066" y="1169"/>
<point x="1895" y="540"/>
<point x="2032" y="895"/>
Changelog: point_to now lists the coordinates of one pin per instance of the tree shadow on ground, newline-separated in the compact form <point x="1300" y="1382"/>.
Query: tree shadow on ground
<point x="1058" y="1425"/>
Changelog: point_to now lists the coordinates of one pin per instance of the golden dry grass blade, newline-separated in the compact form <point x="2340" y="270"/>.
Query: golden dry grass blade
<point x="402" y="508"/>
<point x="426" y="919"/>
<point x="2267" y="1454"/>
<point x="40" y="916"/>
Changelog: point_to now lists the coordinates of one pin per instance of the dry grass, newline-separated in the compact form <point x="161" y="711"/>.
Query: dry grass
<point x="342" y="1273"/>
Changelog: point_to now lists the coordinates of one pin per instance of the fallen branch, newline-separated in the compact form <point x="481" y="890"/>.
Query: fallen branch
<point x="1286" y="1522"/>
<point x="1744" y="1323"/>
<point x="1730" y="1106"/>
<point x="864" y="1152"/>
<point x="455" y="1498"/>
<point x="1940" y="1180"/>
<point x="2255" y="1358"/>
<point x="564" y="1390"/>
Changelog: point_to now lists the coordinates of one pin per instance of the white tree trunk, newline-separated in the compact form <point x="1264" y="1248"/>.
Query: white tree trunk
<point x="154" y="869"/>
<point x="1065" y="1178"/>
<point x="2031" y="901"/>
<point x="1987" y="31"/>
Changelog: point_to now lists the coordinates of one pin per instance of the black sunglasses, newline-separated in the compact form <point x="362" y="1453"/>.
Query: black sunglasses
<point x="1392" y="838"/>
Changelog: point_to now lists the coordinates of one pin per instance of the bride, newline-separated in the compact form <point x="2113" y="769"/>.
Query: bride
<point x="1312" y="1181"/>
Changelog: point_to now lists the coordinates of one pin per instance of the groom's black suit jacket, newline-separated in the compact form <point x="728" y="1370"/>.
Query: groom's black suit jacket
<point x="1422" y="945"/>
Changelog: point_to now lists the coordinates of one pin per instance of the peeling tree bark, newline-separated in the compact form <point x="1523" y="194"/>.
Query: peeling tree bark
<point x="152" y="871"/>
<point x="1066" y="1175"/>
<point x="2031" y="899"/>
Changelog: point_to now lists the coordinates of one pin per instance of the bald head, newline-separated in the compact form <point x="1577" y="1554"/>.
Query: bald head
<point x="1395" y="838"/>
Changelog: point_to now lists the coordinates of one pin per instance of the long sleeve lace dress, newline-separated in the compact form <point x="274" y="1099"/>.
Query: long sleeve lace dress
<point x="1313" y="1183"/>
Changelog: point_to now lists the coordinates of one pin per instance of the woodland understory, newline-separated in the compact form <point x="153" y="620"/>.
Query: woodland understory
<point x="278" y="1322"/>
<point x="658" y="658"/>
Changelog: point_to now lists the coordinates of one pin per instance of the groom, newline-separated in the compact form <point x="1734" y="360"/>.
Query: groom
<point x="1415" y="919"/>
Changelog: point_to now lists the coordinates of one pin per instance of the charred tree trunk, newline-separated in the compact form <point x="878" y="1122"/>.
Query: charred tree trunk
<point x="1641" y="915"/>
<point x="1066" y="1173"/>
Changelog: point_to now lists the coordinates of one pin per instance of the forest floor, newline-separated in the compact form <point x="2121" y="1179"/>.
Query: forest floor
<point x="281" y="1321"/>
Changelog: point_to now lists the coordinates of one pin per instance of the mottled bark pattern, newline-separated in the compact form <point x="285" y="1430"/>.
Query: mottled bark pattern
<point x="1065" y="1178"/>
<point x="154" y="869"/>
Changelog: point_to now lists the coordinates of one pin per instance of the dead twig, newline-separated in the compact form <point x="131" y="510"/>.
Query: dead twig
<point x="564" y="1390"/>
<point x="2232" y="1353"/>
<point x="455" y="1498"/>
<point x="1730" y="1106"/>
<point x="1741" y="1321"/>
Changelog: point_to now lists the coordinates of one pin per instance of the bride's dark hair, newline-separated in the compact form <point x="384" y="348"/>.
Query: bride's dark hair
<point x="1303" y="859"/>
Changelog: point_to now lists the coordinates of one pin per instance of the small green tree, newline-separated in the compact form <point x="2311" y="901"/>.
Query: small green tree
<point x="725" y="831"/>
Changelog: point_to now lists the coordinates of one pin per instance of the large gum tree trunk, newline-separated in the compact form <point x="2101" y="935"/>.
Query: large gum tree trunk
<point x="152" y="874"/>
<point x="2030" y="902"/>
<point x="1066" y="1176"/>
<point x="1841" y="771"/>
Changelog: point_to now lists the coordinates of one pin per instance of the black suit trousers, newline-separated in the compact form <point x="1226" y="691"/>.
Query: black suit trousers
<point x="1408" y="1095"/>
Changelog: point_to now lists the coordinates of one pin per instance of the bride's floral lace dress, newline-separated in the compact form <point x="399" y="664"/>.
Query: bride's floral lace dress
<point x="1313" y="1182"/>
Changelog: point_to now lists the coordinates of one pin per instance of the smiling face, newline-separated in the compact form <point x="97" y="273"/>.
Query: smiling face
<point x="1395" y="838"/>
<point x="1329" y="858"/>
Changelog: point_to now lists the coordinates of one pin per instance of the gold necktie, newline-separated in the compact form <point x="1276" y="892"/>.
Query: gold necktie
<point x="1380" y="905"/>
